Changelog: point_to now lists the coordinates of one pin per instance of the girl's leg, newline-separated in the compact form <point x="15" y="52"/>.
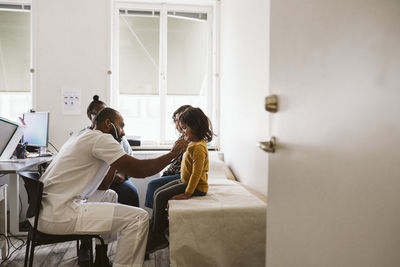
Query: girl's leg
<point x="198" y="193"/>
<point x="161" y="196"/>
<point x="154" y="184"/>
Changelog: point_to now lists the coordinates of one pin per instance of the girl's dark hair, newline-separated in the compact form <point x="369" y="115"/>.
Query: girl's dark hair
<point x="93" y="105"/>
<point x="180" y="110"/>
<point x="198" y="122"/>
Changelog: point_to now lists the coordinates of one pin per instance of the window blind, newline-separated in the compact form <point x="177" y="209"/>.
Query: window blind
<point x="14" y="48"/>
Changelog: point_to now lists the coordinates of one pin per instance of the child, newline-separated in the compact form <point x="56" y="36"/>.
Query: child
<point x="197" y="130"/>
<point x="174" y="170"/>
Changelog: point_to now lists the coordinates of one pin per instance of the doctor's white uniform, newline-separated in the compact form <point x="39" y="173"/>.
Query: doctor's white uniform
<point x="70" y="184"/>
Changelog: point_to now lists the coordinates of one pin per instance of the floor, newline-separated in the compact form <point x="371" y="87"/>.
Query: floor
<point x="64" y="254"/>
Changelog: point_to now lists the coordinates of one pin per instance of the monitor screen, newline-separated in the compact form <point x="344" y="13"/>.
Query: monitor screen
<point x="10" y="135"/>
<point x="36" y="129"/>
<point x="7" y="130"/>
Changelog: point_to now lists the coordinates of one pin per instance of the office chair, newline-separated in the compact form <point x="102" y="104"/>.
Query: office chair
<point x="34" y="188"/>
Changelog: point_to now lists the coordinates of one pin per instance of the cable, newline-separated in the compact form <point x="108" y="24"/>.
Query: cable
<point x="8" y="247"/>
<point x="16" y="248"/>
<point x="18" y="238"/>
<point x="53" y="146"/>
<point x="9" y="244"/>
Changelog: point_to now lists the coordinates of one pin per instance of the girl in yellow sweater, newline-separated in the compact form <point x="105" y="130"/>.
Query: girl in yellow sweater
<point x="197" y="130"/>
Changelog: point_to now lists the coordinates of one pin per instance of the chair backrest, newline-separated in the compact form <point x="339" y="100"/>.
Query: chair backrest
<point x="34" y="188"/>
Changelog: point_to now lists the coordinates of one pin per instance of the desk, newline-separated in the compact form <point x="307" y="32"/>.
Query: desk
<point x="12" y="169"/>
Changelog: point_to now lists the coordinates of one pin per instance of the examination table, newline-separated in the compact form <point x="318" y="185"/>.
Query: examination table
<point x="225" y="228"/>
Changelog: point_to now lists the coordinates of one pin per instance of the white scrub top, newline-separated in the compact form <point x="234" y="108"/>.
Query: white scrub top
<point x="76" y="173"/>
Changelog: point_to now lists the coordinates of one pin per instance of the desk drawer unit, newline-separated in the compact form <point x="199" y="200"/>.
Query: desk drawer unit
<point x="3" y="220"/>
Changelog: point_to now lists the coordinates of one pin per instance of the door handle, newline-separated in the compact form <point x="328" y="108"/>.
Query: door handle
<point x="268" y="146"/>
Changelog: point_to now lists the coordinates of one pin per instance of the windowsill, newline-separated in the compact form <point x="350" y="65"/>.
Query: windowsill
<point x="152" y="147"/>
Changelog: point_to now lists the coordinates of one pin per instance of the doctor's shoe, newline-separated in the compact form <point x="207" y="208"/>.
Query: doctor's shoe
<point x="102" y="259"/>
<point x="84" y="254"/>
<point x="105" y="263"/>
<point x="156" y="241"/>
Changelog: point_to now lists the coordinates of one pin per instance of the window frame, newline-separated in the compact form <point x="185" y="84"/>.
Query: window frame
<point x="212" y="94"/>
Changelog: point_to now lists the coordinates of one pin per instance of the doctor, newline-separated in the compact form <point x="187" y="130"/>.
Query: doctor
<point x="86" y="162"/>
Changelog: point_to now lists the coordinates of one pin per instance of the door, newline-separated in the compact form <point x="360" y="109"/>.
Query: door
<point x="334" y="181"/>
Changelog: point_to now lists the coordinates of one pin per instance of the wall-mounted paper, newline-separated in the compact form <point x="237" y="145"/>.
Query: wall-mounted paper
<point x="71" y="101"/>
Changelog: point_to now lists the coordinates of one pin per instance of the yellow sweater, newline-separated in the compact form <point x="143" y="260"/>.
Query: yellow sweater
<point x="194" y="167"/>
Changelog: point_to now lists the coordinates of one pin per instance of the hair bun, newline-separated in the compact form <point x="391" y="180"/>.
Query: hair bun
<point x="95" y="98"/>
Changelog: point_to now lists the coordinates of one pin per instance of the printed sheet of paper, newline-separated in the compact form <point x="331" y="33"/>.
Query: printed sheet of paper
<point x="71" y="101"/>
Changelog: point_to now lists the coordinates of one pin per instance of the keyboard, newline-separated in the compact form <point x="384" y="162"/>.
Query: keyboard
<point x="45" y="155"/>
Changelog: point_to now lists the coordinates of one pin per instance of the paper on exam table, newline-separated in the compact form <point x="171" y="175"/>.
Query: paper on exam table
<point x="216" y="169"/>
<point x="224" y="228"/>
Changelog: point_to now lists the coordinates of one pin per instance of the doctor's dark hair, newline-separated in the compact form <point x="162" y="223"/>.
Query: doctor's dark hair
<point x="105" y="113"/>
<point x="198" y="122"/>
<point x="93" y="105"/>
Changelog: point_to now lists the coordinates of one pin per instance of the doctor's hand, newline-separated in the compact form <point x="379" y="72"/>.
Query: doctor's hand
<point x="179" y="147"/>
<point x="119" y="178"/>
<point x="183" y="196"/>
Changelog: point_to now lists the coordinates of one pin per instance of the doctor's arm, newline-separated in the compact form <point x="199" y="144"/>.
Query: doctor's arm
<point x="141" y="168"/>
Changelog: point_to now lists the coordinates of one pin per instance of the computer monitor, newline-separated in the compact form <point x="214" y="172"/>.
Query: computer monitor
<point x="36" y="132"/>
<point x="10" y="135"/>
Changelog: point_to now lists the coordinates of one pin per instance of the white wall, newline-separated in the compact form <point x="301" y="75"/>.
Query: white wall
<point x="70" y="49"/>
<point x="244" y="85"/>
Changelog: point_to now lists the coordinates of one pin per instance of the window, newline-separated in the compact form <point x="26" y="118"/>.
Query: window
<point x="162" y="60"/>
<point x="15" y="54"/>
